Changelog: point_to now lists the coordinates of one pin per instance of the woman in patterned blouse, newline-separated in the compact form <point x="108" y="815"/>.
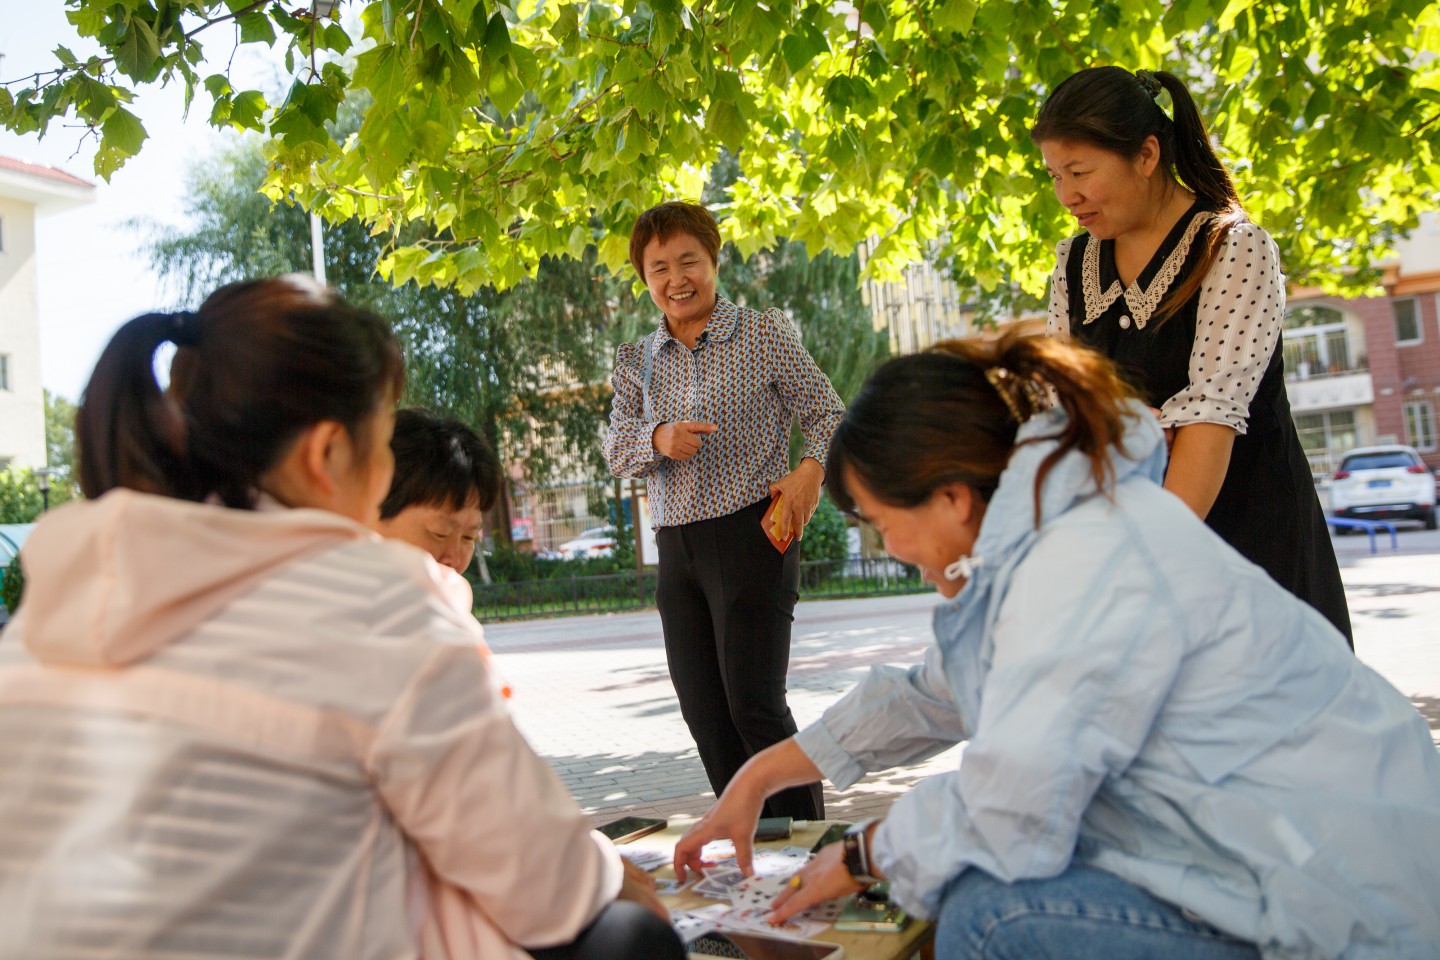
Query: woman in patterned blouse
<point x="703" y="407"/>
<point x="1173" y="282"/>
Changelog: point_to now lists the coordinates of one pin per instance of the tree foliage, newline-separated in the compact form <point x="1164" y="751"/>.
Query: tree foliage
<point x="502" y="133"/>
<point x="527" y="366"/>
<point x="60" y="440"/>
<point x="506" y="362"/>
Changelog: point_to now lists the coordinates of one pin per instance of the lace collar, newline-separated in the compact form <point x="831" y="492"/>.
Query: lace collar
<point x="1141" y="303"/>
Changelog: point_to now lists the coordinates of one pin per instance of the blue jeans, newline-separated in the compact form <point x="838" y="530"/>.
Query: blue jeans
<point x="1083" y="914"/>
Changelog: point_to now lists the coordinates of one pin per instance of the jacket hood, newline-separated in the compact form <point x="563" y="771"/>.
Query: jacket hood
<point x="1010" y="516"/>
<point x="110" y="581"/>
<point x="962" y="624"/>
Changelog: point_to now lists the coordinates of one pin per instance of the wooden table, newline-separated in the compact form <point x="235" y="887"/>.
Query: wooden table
<point x="858" y="946"/>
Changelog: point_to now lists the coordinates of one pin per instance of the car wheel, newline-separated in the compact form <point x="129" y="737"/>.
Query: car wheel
<point x="1429" y="519"/>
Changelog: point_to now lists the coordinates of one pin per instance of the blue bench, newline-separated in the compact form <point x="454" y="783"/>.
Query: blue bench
<point x="1369" y="526"/>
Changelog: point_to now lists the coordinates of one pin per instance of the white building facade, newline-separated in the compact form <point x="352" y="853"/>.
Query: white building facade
<point x="27" y="191"/>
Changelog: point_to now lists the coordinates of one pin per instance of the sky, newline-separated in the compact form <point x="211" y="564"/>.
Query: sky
<point x="92" y="277"/>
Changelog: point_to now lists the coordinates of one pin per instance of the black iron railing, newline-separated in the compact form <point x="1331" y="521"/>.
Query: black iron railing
<point x="567" y="596"/>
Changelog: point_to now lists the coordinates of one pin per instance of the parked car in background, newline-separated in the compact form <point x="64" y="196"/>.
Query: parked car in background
<point x="595" y="542"/>
<point x="1384" y="483"/>
<point x="12" y="538"/>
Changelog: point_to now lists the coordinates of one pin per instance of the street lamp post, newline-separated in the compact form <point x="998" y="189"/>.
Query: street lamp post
<point x="42" y="478"/>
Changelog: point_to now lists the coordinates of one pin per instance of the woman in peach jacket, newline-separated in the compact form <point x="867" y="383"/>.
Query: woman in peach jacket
<point x="236" y="723"/>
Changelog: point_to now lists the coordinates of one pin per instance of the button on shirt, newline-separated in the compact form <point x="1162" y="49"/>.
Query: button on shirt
<point x="750" y="376"/>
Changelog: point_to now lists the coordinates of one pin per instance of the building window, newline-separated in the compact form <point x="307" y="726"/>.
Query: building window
<point x="1325" y="436"/>
<point x="1317" y="343"/>
<point x="1407" y="321"/>
<point x="4" y="371"/>
<point x="1420" y="425"/>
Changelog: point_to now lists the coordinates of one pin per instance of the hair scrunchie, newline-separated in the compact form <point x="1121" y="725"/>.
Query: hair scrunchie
<point x="1149" y="81"/>
<point x="184" y="328"/>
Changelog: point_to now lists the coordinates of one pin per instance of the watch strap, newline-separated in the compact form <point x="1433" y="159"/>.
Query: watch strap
<point x="857" y="853"/>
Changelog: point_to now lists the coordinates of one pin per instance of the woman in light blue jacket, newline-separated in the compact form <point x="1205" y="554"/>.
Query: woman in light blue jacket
<point x="1168" y="755"/>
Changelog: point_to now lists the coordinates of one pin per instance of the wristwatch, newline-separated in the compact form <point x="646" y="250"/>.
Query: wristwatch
<point x="857" y="853"/>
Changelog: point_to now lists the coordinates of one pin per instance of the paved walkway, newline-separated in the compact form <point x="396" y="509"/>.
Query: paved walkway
<point x="593" y="696"/>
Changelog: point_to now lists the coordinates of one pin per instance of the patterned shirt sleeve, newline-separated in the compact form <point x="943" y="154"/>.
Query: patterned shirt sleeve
<point x="806" y="390"/>
<point x="629" y="444"/>
<point x="1242" y="309"/>
<point x="1057" y="320"/>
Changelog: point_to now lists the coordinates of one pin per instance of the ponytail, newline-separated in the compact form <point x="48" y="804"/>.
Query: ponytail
<point x="951" y="415"/>
<point x="258" y="364"/>
<point x="128" y="433"/>
<point x="1198" y="167"/>
<point x="1116" y="110"/>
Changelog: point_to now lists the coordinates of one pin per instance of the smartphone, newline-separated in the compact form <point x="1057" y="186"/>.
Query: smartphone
<point x="772" y="828"/>
<point x="757" y="946"/>
<point x="872" y="912"/>
<point x="833" y="834"/>
<point x="632" y="828"/>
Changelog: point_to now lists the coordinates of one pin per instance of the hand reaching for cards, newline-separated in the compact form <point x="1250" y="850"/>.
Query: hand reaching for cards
<point x="738" y="810"/>
<point x="801" y="489"/>
<point x="681" y="440"/>
<point x="638" y="886"/>
<point x="732" y="818"/>
<point x="823" y="878"/>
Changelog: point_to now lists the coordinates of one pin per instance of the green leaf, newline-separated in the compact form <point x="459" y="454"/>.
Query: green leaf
<point x="724" y="122"/>
<point x="382" y="71"/>
<point x="124" y="132"/>
<point x="255" y="27"/>
<point x="799" y="49"/>
<point x="959" y="15"/>
<point x="218" y="85"/>
<point x="505" y="89"/>
<point x="138" y="54"/>
<point x="247" y="110"/>
<point x="497" y="39"/>
<point x="336" y="38"/>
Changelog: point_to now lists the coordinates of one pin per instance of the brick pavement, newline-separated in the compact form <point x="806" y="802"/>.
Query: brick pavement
<point x="593" y="696"/>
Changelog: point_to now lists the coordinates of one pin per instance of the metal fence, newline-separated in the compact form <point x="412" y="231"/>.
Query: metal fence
<point x="567" y="596"/>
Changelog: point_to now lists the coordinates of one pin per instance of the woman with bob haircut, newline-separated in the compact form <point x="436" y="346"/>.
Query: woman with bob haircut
<point x="703" y="408"/>
<point x="1172" y="281"/>
<point x="1167" y="754"/>
<point x="234" y="721"/>
<point x="446" y="477"/>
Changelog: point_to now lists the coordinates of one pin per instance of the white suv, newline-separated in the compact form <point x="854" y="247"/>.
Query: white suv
<point x="1384" y="483"/>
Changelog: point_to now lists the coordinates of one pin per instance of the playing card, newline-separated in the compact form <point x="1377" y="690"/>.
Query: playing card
<point x="669" y="885"/>
<point x="717" y="850"/>
<point x="690" y="924"/>
<point x="644" y="858"/>
<point x="798" y="927"/>
<point x="779" y="863"/>
<point x="712" y="889"/>
<point x="758" y="891"/>
<point x="729" y="876"/>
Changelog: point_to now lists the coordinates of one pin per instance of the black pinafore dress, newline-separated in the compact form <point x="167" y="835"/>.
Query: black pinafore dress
<point x="1267" y="508"/>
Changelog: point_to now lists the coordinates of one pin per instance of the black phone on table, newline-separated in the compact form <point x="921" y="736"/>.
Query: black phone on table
<point x="632" y="828"/>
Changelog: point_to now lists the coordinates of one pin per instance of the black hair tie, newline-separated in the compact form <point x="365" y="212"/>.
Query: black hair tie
<point x="184" y="328"/>
<point x="1149" y="81"/>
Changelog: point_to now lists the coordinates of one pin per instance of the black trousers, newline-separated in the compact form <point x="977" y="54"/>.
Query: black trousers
<point x="727" y="600"/>
<point x="623" y="931"/>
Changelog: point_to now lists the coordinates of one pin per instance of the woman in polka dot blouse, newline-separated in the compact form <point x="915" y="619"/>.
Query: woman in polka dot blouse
<point x="1173" y="282"/>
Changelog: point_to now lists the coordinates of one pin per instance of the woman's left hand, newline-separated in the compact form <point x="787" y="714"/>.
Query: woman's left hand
<point x="823" y="878"/>
<point x="801" y="489"/>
